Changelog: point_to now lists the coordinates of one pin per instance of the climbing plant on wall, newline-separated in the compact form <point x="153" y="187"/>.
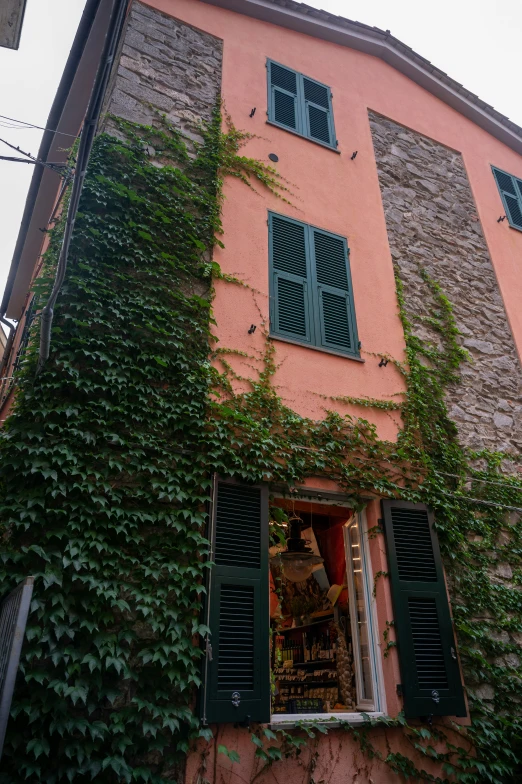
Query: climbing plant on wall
<point x="106" y="464"/>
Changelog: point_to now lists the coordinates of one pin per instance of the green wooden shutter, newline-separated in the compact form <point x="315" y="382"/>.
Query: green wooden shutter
<point x="429" y="667"/>
<point x="333" y="289"/>
<point x="290" y="295"/>
<point x="283" y="103"/>
<point x="511" y="193"/>
<point x="318" y="120"/>
<point x="237" y="682"/>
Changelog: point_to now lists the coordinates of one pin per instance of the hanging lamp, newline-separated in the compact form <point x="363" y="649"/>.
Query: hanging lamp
<point x="298" y="560"/>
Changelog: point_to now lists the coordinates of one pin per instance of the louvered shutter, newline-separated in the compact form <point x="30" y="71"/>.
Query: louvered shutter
<point x="318" y="111"/>
<point x="334" y="300"/>
<point x="290" y="303"/>
<point x="283" y="96"/>
<point x="511" y="193"/>
<point x="237" y="677"/>
<point x="429" y="667"/>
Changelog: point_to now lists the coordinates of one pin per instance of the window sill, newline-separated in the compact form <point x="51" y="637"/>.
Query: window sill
<point x="290" y="720"/>
<point x="317" y="348"/>
<point x="302" y="136"/>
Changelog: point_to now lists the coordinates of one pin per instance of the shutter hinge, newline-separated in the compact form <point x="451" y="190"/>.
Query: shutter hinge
<point x="209" y="650"/>
<point x="400" y="692"/>
<point x="359" y="344"/>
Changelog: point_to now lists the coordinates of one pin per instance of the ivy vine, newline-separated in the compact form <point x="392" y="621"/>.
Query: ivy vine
<point x="106" y="463"/>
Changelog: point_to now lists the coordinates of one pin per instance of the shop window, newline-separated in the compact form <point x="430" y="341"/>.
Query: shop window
<point x="323" y="651"/>
<point x="300" y="104"/>
<point x="510" y="189"/>
<point x="311" y="298"/>
<point x="292" y="632"/>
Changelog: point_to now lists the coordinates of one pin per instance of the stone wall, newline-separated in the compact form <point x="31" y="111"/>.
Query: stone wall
<point x="168" y="66"/>
<point x="432" y="223"/>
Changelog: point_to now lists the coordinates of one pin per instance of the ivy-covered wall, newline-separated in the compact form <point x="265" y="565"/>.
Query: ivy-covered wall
<point x="105" y="469"/>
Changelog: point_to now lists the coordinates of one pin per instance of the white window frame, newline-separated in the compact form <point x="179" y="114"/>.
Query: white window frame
<point x="377" y="707"/>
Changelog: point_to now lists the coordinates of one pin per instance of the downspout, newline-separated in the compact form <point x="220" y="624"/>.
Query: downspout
<point x="114" y="32"/>
<point x="8" y="345"/>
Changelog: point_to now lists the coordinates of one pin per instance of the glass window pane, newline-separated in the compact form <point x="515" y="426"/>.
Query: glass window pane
<point x="361" y="619"/>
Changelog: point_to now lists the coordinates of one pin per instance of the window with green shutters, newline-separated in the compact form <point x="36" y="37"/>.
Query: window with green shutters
<point x="510" y="188"/>
<point x="430" y="674"/>
<point x="311" y="298"/>
<point x="300" y="104"/>
<point x="236" y="682"/>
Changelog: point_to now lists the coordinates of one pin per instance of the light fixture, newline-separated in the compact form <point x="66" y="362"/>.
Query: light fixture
<point x="297" y="560"/>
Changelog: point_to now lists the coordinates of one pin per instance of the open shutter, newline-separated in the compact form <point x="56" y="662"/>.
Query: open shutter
<point x="283" y="91"/>
<point x="318" y="111"/>
<point x="511" y="192"/>
<point x="237" y="683"/>
<point x="429" y="667"/>
<point x="290" y="303"/>
<point x="334" y="300"/>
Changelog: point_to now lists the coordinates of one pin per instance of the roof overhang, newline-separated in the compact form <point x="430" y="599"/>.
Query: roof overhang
<point x="65" y="121"/>
<point x="379" y="43"/>
<point x="11" y="21"/>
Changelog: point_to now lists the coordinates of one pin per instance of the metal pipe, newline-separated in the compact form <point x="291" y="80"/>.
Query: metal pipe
<point x="114" y="32"/>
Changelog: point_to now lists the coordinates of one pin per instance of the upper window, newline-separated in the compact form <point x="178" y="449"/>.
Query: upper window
<point x="300" y="104"/>
<point x="311" y="299"/>
<point x="510" y="188"/>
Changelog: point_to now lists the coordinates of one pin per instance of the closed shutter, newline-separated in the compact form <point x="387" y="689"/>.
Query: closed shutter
<point x="429" y="667"/>
<point x="334" y="300"/>
<point x="289" y="269"/>
<point x="318" y="114"/>
<point x="283" y="96"/>
<point x="511" y="192"/>
<point x="237" y="668"/>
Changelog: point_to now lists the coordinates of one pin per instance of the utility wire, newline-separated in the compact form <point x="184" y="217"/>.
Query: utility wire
<point x="479" y="479"/>
<point x="26" y="126"/>
<point x="53" y="166"/>
<point x="483" y="503"/>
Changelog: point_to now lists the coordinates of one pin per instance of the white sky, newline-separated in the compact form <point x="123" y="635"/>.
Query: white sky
<point x="477" y="42"/>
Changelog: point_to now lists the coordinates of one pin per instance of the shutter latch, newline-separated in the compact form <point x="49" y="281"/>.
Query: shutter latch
<point x="209" y="650"/>
<point x="453" y="654"/>
<point x="236" y="699"/>
<point x="435" y="696"/>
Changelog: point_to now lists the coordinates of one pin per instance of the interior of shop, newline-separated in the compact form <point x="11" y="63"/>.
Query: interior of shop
<point x="320" y="653"/>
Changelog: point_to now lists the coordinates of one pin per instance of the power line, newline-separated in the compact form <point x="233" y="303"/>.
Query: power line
<point x="479" y="479"/>
<point x="53" y="166"/>
<point x="26" y="126"/>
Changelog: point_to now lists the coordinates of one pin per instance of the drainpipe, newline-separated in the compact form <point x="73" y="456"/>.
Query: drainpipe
<point x="114" y="32"/>
<point x="8" y="345"/>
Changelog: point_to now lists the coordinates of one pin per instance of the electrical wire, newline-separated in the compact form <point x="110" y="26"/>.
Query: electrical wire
<point x="479" y="479"/>
<point x="56" y="167"/>
<point x="28" y="126"/>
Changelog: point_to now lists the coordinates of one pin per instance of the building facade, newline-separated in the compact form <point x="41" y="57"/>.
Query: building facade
<point x="383" y="255"/>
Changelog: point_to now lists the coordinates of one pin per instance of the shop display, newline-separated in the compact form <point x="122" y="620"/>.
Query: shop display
<point x="312" y="662"/>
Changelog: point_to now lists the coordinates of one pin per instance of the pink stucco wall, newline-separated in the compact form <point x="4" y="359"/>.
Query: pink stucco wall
<point x="338" y="194"/>
<point x="343" y="196"/>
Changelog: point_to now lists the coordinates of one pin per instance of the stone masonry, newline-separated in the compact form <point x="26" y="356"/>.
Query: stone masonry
<point x="433" y="224"/>
<point x="165" y="66"/>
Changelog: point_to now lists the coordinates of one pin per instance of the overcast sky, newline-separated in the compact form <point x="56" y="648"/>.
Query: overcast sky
<point x="477" y="42"/>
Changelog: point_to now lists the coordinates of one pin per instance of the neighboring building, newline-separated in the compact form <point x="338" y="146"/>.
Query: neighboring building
<point x="392" y="168"/>
<point x="11" y="21"/>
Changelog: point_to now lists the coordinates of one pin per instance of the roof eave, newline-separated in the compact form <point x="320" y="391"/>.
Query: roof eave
<point x="379" y="43"/>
